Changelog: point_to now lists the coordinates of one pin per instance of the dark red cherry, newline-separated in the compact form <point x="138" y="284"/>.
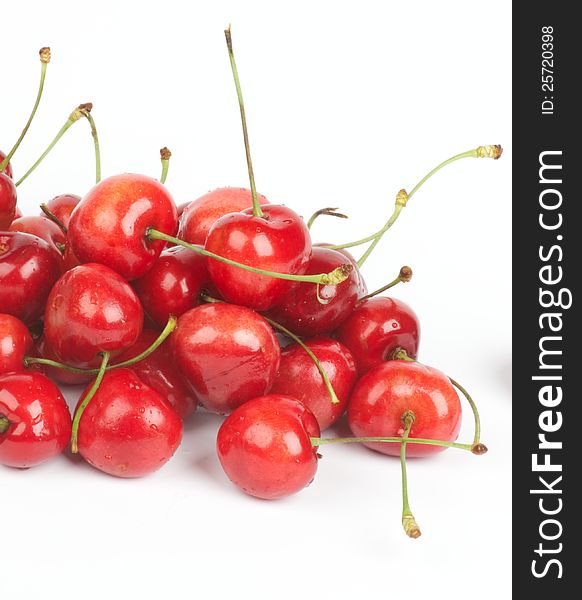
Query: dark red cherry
<point x="62" y="206"/>
<point x="265" y="448"/>
<point x="7" y="201"/>
<point x="15" y="343"/>
<point x="42" y="228"/>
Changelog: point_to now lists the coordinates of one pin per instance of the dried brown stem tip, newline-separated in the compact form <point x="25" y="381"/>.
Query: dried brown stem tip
<point x="411" y="527"/>
<point x="405" y="274"/>
<point x="479" y="449"/>
<point x="338" y="275"/>
<point x="86" y="107"/>
<point x="45" y="55"/>
<point x="228" y="38"/>
<point x="165" y="153"/>
<point x="490" y="151"/>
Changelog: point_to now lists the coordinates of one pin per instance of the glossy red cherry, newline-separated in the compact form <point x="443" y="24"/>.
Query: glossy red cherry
<point x="91" y="309"/>
<point x="173" y="285"/>
<point x="198" y="216"/>
<point x="301" y="311"/>
<point x="62" y="206"/>
<point x="265" y="448"/>
<point x="7" y="201"/>
<point x="35" y="423"/>
<point x="362" y="287"/>
<point x="386" y="392"/>
<point x="8" y="169"/>
<point x="160" y="372"/>
<point x="41" y="227"/>
<point x="128" y="429"/>
<point x="110" y="224"/>
<point x="15" y="343"/>
<point x="279" y="241"/>
<point x="300" y="378"/>
<point x="376" y="328"/>
<point x="29" y="267"/>
<point x="228" y="354"/>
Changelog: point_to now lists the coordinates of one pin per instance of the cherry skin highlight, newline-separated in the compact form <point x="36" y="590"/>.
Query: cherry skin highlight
<point x="127" y="429"/>
<point x="265" y="448"/>
<point x="376" y="328"/>
<point x="228" y="354"/>
<point x="35" y="422"/>
<point x="91" y="309"/>
<point x="110" y="224"/>
<point x="199" y="215"/>
<point x="41" y="227"/>
<point x="15" y="343"/>
<point x="7" y="201"/>
<point x="386" y="392"/>
<point x="279" y="241"/>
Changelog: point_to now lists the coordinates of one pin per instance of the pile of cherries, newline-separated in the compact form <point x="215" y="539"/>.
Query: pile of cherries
<point x="223" y="303"/>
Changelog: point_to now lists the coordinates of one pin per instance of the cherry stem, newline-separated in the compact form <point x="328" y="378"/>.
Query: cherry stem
<point x="87" y="114"/>
<point x="257" y="211"/>
<point x="86" y="400"/>
<point x="52" y="217"/>
<point x="45" y="57"/>
<point x="170" y="326"/>
<point x="330" y="212"/>
<point x="165" y="155"/>
<point x="404" y="276"/>
<point x="371" y="440"/>
<point x="4" y="424"/>
<point x="334" y="277"/>
<point x="408" y="521"/>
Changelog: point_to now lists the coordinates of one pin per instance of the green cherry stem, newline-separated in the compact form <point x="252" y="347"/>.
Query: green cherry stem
<point x="370" y="440"/>
<point x="330" y="212"/>
<point x="45" y="57"/>
<point x="404" y="276"/>
<point x="165" y="155"/>
<point x="334" y="277"/>
<point x="52" y="217"/>
<point x="4" y="424"/>
<point x="257" y="211"/>
<point x="411" y="528"/>
<point x="87" y="114"/>
<point x="86" y="400"/>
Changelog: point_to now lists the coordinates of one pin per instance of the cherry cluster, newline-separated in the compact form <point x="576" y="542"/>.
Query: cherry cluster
<point x="224" y="303"/>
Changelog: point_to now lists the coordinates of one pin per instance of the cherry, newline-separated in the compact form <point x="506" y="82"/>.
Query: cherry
<point x="42" y="228"/>
<point x="61" y="207"/>
<point x="7" y="201"/>
<point x="265" y="448"/>
<point x="362" y="287"/>
<point x="159" y="371"/>
<point x="110" y="223"/>
<point x="127" y="429"/>
<point x="29" y="267"/>
<point x="91" y="309"/>
<point x="199" y="215"/>
<point x="300" y="378"/>
<point x="15" y="343"/>
<point x="307" y="313"/>
<point x="378" y="327"/>
<point x="42" y="349"/>
<point x="8" y="168"/>
<point x="35" y="423"/>
<point x="173" y="284"/>
<point x="228" y="354"/>
<point x="387" y="393"/>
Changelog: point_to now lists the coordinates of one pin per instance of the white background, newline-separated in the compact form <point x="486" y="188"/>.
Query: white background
<point x="347" y="103"/>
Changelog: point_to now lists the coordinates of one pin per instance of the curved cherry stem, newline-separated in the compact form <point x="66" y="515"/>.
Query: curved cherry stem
<point x="4" y="424"/>
<point x="165" y="155"/>
<point x="52" y="217"/>
<point x="257" y="211"/>
<point x="370" y="440"/>
<point x="404" y="276"/>
<point x="87" y="114"/>
<point x="330" y="212"/>
<point x="170" y="326"/>
<point x="334" y="277"/>
<point x="45" y="57"/>
<point x="411" y="528"/>
<point x="86" y="400"/>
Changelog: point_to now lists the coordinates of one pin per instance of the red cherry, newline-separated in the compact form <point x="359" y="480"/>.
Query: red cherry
<point x="376" y="328"/>
<point x="265" y="448"/>
<point x="386" y="392"/>
<point x="43" y="350"/>
<point x="198" y="216"/>
<point x="62" y="206"/>
<point x="7" y="201"/>
<point x="8" y="168"/>
<point x="299" y="377"/>
<point x="29" y="268"/>
<point x="41" y="227"/>
<point x="172" y="286"/>
<point x="15" y="343"/>
<point x="127" y="429"/>
<point x="228" y="354"/>
<point x="160" y="372"/>
<point x="279" y="241"/>
<point x="362" y="287"/>
<point x="110" y="224"/>
<point x="301" y="311"/>
<point x="18" y="213"/>
<point x="35" y="423"/>
<point x="91" y="309"/>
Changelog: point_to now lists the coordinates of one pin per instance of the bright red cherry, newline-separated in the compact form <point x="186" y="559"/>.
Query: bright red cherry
<point x="227" y="353"/>
<point x="15" y="343"/>
<point x="278" y="241"/>
<point x="110" y="224"/>
<point x="62" y="206"/>
<point x="160" y="372"/>
<point x="127" y="429"/>
<point x="388" y="391"/>
<point x="198" y="216"/>
<point x="376" y="328"/>
<point x="91" y="309"/>
<point x="173" y="285"/>
<point x="300" y="378"/>
<point x="301" y="311"/>
<point x="7" y="201"/>
<point x="362" y="287"/>
<point x="265" y="448"/>
<point x="8" y="169"/>
<point x="42" y="228"/>
<point x="35" y="423"/>
<point x="29" y="267"/>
